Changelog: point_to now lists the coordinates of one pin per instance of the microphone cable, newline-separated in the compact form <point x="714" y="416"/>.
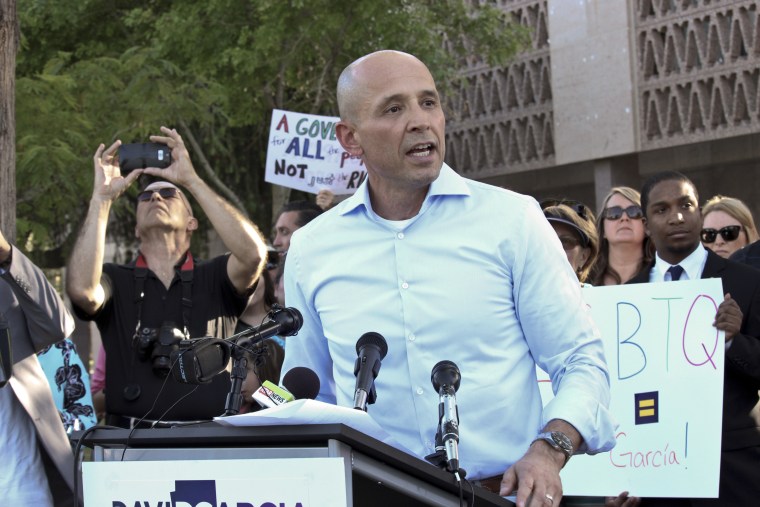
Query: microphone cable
<point x="155" y="401"/>
<point x="77" y="452"/>
<point x="462" y="500"/>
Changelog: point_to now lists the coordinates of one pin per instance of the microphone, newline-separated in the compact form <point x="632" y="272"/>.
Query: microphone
<point x="283" y="322"/>
<point x="298" y="383"/>
<point x="371" y="349"/>
<point x="199" y="360"/>
<point x="446" y="379"/>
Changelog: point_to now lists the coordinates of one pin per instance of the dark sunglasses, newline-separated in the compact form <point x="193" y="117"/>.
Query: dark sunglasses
<point x="165" y="193"/>
<point x="616" y="212"/>
<point x="728" y="233"/>
<point x="579" y="208"/>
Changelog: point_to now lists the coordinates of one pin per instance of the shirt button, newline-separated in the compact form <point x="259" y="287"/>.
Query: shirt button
<point x="412" y="337"/>
<point x="400" y="235"/>
<point x="419" y="390"/>
<point x="404" y="285"/>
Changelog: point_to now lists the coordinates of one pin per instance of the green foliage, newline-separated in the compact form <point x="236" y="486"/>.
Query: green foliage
<point x="93" y="71"/>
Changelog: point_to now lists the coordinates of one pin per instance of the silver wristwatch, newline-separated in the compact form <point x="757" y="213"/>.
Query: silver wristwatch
<point x="557" y="440"/>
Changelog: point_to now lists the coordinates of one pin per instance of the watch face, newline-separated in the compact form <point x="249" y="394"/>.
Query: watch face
<point x="562" y="440"/>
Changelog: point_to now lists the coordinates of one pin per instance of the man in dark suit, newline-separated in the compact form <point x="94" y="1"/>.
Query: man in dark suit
<point x="673" y="222"/>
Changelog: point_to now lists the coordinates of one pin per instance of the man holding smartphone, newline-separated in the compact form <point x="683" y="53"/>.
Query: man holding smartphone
<point x="163" y="288"/>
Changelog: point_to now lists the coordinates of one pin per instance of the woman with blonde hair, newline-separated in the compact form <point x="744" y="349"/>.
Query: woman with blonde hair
<point x="727" y="225"/>
<point x="625" y="248"/>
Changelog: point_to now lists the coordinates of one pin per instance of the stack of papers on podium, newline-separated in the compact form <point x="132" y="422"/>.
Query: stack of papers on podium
<point x="313" y="412"/>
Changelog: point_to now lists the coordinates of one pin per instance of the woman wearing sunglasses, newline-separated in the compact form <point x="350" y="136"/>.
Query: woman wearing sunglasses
<point x="624" y="248"/>
<point x="727" y="225"/>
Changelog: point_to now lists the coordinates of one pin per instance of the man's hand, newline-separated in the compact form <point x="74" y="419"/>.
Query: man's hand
<point x="181" y="170"/>
<point x="729" y="317"/>
<point x="109" y="183"/>
<point x="535" y="476"/>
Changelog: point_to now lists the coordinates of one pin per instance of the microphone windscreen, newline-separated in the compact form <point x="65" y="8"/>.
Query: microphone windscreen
<point x="375" y="339"/>
<point x="290" y="320"/>
<point x="201" y="362"/>
<point x="302" y="382"/>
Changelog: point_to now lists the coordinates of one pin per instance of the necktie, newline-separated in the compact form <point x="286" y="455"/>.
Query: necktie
<point x="675" y="272"/>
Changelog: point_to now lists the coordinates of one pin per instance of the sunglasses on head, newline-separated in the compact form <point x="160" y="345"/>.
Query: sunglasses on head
<point x="579" y="208"/>
<point x="728" y="233"/>
<point x="165" y="193"/>
<point x="616" y="212"/>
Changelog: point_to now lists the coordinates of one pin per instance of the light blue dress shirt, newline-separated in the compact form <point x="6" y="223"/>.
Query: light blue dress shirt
<point x="479" y="278"/>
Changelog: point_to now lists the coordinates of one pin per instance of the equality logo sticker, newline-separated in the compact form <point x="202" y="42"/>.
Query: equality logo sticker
<point x="647" y="407"/>
<point x="194" y="493"/>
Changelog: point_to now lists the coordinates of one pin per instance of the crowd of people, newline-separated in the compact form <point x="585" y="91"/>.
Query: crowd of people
<point x="418" y="254"/>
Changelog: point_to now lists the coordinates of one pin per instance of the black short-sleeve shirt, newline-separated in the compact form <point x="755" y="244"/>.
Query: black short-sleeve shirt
<point x="213" y="296"/>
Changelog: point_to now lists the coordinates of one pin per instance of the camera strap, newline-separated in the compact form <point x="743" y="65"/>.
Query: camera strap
<point x="186" y="277"/>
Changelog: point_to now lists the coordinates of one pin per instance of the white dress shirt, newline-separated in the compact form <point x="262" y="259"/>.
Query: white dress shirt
<point x="479" y="278"/>
<point x="693" y="265"/>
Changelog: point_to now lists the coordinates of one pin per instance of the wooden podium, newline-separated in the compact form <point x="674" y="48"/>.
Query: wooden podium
<point x="376" y="474"/>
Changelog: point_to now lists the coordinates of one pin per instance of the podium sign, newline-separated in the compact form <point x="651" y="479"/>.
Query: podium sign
<point x="301" y="482"/>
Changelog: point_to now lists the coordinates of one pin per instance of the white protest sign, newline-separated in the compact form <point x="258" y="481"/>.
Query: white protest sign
<point x="666" y="363"/>
<point x="303" y="482"/>
<point x="304" y="154"/>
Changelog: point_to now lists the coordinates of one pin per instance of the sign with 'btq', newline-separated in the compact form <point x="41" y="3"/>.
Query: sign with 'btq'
<point x="666" y="363"/>
<point x="304" y="153"/>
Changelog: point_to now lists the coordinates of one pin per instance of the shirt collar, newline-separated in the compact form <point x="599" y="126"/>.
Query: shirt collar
<point x="693" y="265"/>
<point x="448" y="182"/>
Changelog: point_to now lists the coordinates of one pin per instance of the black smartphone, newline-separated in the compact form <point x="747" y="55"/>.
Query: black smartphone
<point x="141" y="155"/>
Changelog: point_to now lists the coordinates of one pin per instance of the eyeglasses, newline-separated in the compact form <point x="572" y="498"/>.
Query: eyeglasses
<point x="728" y="233"/>
<point x="616" y="212"/>
<point x="578" y="207"/>
<point x="165" y="193"/>
<point x="569" y="242"/>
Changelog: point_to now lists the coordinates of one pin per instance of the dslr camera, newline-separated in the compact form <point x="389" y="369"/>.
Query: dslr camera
<point x="142" y="155"/>
<point x="157" y="344"/>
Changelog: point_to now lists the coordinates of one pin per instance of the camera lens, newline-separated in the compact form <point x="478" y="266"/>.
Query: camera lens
<point x="162" y="365"/>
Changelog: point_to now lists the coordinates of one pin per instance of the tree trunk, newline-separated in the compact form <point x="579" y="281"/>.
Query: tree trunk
<point x="9" y="35"/>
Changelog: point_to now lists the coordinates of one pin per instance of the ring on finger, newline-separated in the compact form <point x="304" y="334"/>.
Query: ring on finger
<point x="550" y="498"/>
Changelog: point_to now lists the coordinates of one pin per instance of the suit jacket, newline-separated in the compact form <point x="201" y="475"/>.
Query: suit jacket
<point x="740" y="458"/>
<point x="36" y="318"/>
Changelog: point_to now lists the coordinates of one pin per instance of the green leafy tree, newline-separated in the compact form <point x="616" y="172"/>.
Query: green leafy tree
<point x="213" y="69"/>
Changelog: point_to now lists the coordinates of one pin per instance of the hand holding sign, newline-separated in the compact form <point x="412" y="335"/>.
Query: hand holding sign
<point x="304" y="154"/>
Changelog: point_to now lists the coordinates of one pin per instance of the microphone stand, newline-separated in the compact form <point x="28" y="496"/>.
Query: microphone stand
<point x="237" y="376"/>
<point x="438" y="458"/>
<point x="239" y="343"/>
